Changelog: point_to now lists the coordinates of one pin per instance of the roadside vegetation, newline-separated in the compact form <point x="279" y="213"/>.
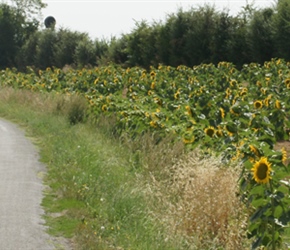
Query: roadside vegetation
<point x="175" y="136"/>
<point x="103" y="194"/>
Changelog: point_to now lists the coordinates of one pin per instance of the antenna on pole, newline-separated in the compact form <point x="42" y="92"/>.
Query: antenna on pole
<point x="49" y="22"/>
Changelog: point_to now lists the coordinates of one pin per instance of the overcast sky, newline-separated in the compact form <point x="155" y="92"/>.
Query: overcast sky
<point x="103" y="19"/>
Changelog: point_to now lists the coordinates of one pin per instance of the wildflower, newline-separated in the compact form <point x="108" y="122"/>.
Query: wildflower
<point x="261" y="171"/>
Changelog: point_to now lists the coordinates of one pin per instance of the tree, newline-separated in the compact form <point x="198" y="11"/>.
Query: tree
<point x="261" y="36"/>
<point x="17" y="24"/>
<point x="28" y="8"/>
<point x="282" y="29"/>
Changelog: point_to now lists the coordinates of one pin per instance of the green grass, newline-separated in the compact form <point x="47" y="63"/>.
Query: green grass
<point x="94" y="192"/>
<point x="106" y="193"/>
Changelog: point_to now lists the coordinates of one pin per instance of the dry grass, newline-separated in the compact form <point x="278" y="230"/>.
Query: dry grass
<point x="193" y="196"/>
<point x="199" y="201"/>
<point x="74" y="107"/>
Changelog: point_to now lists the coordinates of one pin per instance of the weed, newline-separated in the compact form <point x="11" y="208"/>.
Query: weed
<point x="76" y="109"/>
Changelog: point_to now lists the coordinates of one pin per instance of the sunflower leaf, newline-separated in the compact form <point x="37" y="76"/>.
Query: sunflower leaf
<point x="259" y="189"/>
<point x="278" y="211"/>
<point x="259" y="212"/>
<point x="259" y="202"/>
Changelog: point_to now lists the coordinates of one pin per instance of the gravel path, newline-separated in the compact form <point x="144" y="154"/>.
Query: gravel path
<point x="21" y="223"/>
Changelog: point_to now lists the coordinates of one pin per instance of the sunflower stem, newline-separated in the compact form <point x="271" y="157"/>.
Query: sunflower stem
<point x="272" y="222"/>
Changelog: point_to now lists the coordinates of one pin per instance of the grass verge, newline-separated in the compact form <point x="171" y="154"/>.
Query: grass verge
<point x="104" y="194"/>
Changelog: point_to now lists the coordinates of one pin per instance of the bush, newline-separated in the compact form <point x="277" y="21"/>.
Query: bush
<point x="76" y="109"/>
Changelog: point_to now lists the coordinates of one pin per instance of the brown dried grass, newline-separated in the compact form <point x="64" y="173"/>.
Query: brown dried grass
<point x="199" y="201"/>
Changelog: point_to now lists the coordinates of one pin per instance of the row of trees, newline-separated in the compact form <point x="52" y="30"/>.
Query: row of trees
<point x="201" y="35"/>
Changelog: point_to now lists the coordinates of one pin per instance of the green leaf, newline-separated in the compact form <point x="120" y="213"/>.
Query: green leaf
<point x="279" y="195"/>
<point x="278" y="211"/>
<point x="259" y="212"/>
<point x="257" y="243"/>
<point x="259" y="189"/>
<point x="259" y="202"/>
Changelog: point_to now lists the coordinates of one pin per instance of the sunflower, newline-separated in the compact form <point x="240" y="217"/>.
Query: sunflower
<point x="233" y="83"/>
<point x="153" y="124"/>
<point x="209" y="131"/>
<point x="104" y="108"/>
<point x="261" y="170"/>
<point x="258" y="104"/>
<point x="287" y="81"/>
<point x="277" y="104"/>
<point x="222" y="113"/>
<point x="284" y="155"/>
<point x="176" y="95"/>
<point x="244" y="91"/>
<point x="152" y="73"/>
<point x="188" y="137"/>
<point x="188" y="109"/>
<point x="255" y="150"/>
<point x="219" y="132"/>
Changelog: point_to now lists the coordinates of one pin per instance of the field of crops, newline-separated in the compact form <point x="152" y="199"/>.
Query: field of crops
<point x="240" y="114"/>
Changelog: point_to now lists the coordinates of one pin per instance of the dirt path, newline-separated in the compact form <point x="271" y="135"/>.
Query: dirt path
<point x="21" y="223"/>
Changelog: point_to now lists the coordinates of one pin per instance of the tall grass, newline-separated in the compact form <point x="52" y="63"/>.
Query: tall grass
<point x="110" y="193"/>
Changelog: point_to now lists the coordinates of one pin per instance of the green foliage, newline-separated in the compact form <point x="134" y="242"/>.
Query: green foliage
<point x="84" y="53"/>
<point x="141" y="45"/>
<point x="261" y="35"/>
<point x="282" y="29"/>
<point x="76" y="110"/>
<point x="15" y="29"/>
<point x="65" y="46"/>
<point x="44" y="51"/>
<point x="239" y="115"/>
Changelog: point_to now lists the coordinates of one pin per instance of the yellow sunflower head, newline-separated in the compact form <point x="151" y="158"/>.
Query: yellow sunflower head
<point x="244" y="91"/>
<point x="261" y="171"/>
<point x="277" y="104"/>
<point x="188" y="109"/>
<point x="258" y="104"/>
<point x="284" y="155"/>
<point x="233" y="83"/>
<point x="222" y="113"/>
<point x="287" y="81"/>
<point x="255" y="150"/>
<point x="209" y="131"/>
<point x="104" y="108"/>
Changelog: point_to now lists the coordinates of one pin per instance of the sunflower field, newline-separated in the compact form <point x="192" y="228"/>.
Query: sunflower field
<point x="241" y="115"/>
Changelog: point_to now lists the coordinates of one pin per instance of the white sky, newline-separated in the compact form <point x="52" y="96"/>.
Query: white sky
<point x="104" y="19"/>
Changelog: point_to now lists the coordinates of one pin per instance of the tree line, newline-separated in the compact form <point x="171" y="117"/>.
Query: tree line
<point x="199" y="35"/>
